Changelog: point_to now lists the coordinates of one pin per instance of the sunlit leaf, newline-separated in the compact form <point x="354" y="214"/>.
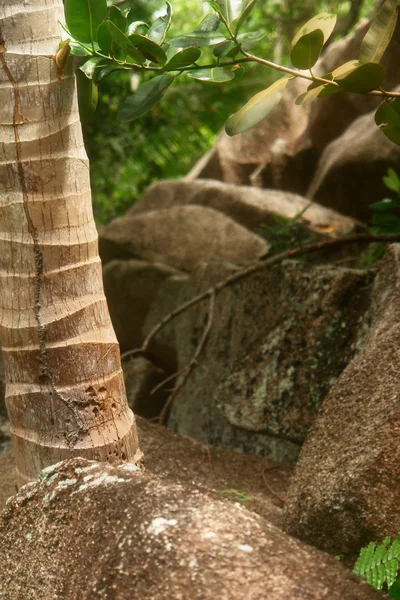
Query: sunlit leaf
<point x="344" y="69"/>
<point x="124" y="43"/>
<point x="83" y="18"/>
<point x="308" y="43"/>
<point x="237" y="23"/>
<point x="324" y="21"/>
<point x="388" y="118"/>
<point x="159" y="28"/>
<point x="362" y="79"/>
<point x="380" y="33"/>
<point x="257" y="109"/>
<point x="148" y="48"/>
<point x="216" y="75"/>
<point x="392" y="180"/>
<point x="181" y="58"/>
<point x="146" y="97"/>
<point x="87" y="96"/>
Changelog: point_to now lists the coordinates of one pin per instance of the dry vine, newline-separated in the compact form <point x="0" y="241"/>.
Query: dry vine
<point x="212" y="293"/>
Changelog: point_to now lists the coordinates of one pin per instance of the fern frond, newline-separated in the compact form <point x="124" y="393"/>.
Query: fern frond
<point x="379" y="564"/>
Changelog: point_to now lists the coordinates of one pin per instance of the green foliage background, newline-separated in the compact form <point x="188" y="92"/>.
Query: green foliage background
<point x="127" y="157"/>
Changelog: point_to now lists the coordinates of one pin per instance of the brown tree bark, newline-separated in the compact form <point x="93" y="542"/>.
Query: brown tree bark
<point x="65" y="391"/>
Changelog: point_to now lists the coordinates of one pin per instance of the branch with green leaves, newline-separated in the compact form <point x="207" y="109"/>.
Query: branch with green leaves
<point x="109" y="39"/>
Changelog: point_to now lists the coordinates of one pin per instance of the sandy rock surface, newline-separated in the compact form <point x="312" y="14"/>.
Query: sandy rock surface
<point x="90" y="530"/>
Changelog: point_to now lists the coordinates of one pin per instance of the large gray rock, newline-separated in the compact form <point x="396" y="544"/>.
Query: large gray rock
<point x="130" y="286"/>
<point x="349" y="174"/>
<point x="251" y="207"/>
<point x="279" y="340"/>
<point x="346" y="489"/>
<point x="180" y="236"/>
<point x="90" y="530"/>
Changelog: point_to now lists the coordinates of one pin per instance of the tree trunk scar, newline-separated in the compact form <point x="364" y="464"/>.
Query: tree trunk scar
<point x="45" y="371"/>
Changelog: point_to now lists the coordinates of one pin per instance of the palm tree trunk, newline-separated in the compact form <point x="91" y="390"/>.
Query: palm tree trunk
<point x="65" y="391"/>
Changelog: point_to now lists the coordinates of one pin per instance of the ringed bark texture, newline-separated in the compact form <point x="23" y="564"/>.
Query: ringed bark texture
<point x="65" y="391"/>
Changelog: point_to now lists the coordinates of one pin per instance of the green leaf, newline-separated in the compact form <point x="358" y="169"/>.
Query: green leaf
<point x="105" y="70"/>
<point x="307" y="50"/>
<point x="181" y="58"/>
<point x="78" y="50"/>
<point x="151" y="50"/>
<point x="210" y="23"/>
<point x="321" y="90"/>
<point x="380" y="33"/>
<point x="362" y="79"/>
<point x="87" y="96"/>
<point x="124" y="43"/>
<point x="116" y="16"/>
<point x="388" y="118"/>
<point x="344" y="69"/>
<point x="146" y="97"/>
<point x="226" y="8"/>
<point x="237" y="23"/>
<point x="216" y="75"/>
<point x="83" y="18"/>
<point x="385" y="205"/>
<point x="394" y="590"/>
<point x="224" y="48"/>
<point x="204" y="35"/>
<point x="132" y="27"/>
<point x="197" y="40"/>
<point x="311" y="94"/>
<point x="392" y="180"/>
<point x="159" y="28"/>
<point x="89" y="67"/>
<point x="257" y="109"/>
<point x="307" y="43"/>
<point x="214" y="5"/>
<point x="249" y="39"/>
<point x="105" y="40"/>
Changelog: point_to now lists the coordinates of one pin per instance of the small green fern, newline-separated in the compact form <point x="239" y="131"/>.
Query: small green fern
<point x="379" y="565"/>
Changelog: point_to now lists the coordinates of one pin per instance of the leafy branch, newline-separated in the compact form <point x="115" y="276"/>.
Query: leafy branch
<point x="109" y="39"/>
<point x="379" y="565"/>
